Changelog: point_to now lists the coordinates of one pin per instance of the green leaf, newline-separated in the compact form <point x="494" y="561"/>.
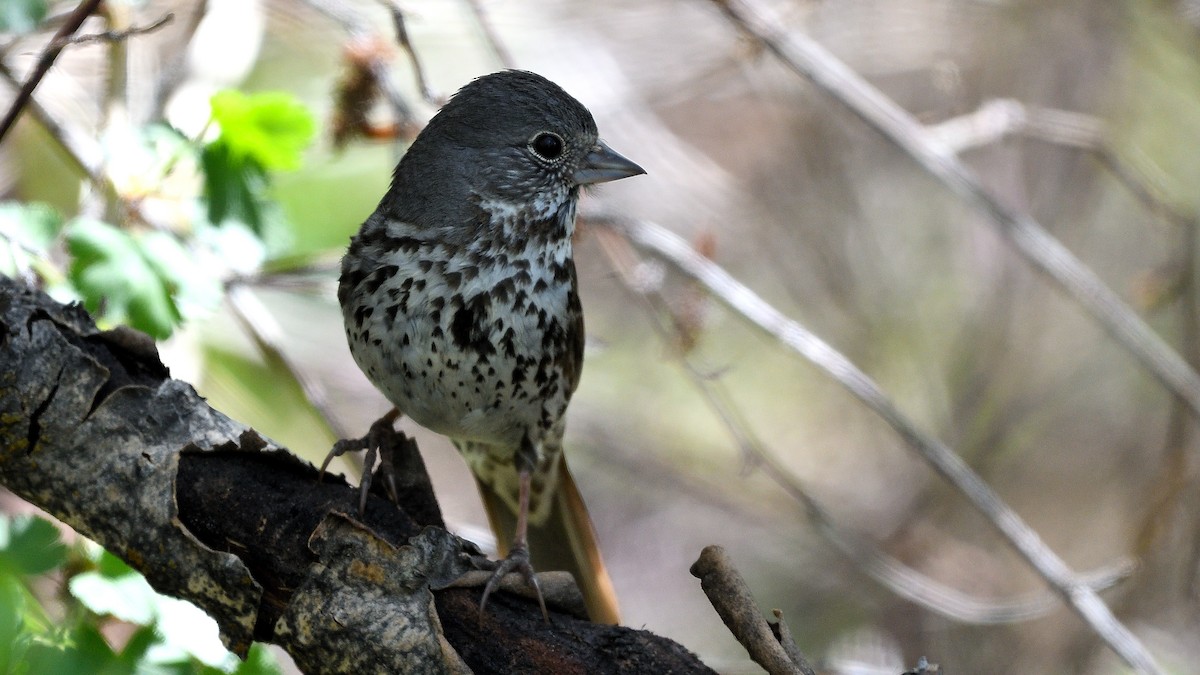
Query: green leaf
<point x="116" y="277"/>
<point x="234" y="189"/>
<point x="138" y="646"/>
<point x="270" y="128"/>
<point x="193" y="288"/>
<point x="30" y="545"/>
<point x="111" y="567"/>
<point x="21" y="16"/>
<point x="85" y="652"/>
<point x="13" y="639"/>
<point x="29" y="230"/>
<point x="34" y="225"/>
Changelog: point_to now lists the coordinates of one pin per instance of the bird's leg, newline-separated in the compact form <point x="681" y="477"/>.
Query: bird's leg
<point x="381" y="430"/>
<point x="518" y="554"/>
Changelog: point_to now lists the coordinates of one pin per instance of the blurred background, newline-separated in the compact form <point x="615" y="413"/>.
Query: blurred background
<point x="795" y="197"/>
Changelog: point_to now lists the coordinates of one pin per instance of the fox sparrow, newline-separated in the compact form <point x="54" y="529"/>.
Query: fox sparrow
<point x="460" y="298"/>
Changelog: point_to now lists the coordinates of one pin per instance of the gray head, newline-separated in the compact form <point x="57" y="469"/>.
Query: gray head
<point x="507" y="141"/>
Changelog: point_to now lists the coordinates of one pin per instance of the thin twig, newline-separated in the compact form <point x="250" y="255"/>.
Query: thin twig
<point x="356" y="26"/>
<point x="999" y="119"/>
<point x="49" y="54"/>
<point x="406" y="44"/>
<point x="267" y="336"/>
<point x="1043" y="251"/>
<point x="891" y="573"/>
<point x="489" y="33"/>
<point x="82" y="150"/>
<point x="736" y="296"/>
<point x="114" y="35"/>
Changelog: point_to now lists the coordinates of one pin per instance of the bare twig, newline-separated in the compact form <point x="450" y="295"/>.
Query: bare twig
<point x="733" y="294"/>
<point x="357" y="26"/>
<point x="82" y="150"/>
<point x="999" y="119"/>
<point x="266" y="334"/>
<point x="1043" y="251"/>
<point x="114" y="35"/>
<point x="890" y="572"/>
<point x="406" y="44"/>
<point x="731" y="597"/>
<point x="784" y="635"/>
<point x="49" y="54"/>
<point x="490" y="34"/>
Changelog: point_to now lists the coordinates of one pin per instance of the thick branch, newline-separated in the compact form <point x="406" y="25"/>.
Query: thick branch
<point x="94" y="431"/>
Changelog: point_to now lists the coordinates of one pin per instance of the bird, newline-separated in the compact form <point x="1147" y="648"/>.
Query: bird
<point x="461" y="305"/>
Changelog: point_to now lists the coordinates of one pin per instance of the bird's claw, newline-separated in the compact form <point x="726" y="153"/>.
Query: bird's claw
<point x="517" y="561"/>
<point x="381" y="435"/>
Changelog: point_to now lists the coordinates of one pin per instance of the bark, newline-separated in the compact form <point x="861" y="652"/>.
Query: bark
<point x="94" y="431"/>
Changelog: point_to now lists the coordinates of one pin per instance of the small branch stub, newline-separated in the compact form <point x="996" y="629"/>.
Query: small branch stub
<point x="730" y="596"/>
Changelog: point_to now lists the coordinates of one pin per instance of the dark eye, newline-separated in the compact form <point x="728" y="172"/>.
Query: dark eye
<point x="547" y="145"/>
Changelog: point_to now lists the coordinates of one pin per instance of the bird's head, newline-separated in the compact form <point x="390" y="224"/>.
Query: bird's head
<point x="512" y="143"/>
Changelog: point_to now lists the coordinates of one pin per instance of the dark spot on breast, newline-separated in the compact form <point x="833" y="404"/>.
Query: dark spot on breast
<point x="469" y="329"/>
<point x="563" y="272"/>
<point x="363" y="312"/>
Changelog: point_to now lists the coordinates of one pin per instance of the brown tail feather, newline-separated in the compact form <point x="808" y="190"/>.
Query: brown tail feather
<point x="565" y="541"/>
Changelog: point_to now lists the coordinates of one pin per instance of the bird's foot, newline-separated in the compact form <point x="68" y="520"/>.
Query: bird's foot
<point x="382" y="434"/>
<point x="517" y="561"/>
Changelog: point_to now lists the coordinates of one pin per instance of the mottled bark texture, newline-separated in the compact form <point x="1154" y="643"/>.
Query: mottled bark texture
<point x="94" y="431"/>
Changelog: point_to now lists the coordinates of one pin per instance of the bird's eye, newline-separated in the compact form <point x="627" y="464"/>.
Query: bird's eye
<point x="547" y="145"/>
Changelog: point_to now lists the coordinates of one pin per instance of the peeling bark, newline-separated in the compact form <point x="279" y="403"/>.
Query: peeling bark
<point x="94" y="431"/>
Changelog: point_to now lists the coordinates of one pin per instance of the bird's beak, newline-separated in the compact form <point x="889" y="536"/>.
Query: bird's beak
<point x="602" y="164"/>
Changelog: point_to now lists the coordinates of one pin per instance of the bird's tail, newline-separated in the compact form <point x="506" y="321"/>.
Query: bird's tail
<point x="565" y="540"/>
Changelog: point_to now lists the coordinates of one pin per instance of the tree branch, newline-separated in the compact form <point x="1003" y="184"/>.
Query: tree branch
<point x="1028" y="237"/>
<point x="740" y="299"/>
<point x="94" y="431"/>
<point x="49" y="54"/>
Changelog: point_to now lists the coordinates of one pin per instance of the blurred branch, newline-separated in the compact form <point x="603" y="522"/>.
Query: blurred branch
<point x="901" y="579"/>
<point x="267" y="336"/>
<point x="490" y="34"/>
<point x="114" y="35"/>
<point x="354" y="24"/>
<point x="737" y="297"/>
<point x="407" y="46"/>
<point x="49" y="54"/>
<point x="1031" y="240"/>
<point x="731" y="597"/>
<point x="999" y="119"/>
<point x="82" y="150"/>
